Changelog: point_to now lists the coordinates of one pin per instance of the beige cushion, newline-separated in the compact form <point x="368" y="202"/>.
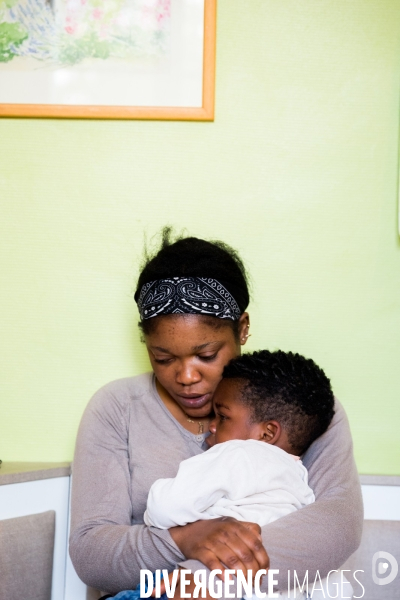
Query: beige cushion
<point x="26" y="557"/>
<point x="377" y="536"/>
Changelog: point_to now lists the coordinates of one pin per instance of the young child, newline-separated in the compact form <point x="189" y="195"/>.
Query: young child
<point x="269" y="407"/>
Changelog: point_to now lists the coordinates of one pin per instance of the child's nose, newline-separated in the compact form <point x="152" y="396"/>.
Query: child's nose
<point x="212" y="428"/>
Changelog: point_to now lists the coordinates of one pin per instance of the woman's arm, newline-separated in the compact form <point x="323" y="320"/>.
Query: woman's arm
<point x="106" y="550"/>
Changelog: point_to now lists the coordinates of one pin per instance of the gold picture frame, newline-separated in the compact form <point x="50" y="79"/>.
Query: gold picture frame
<point x="204" y="112"/>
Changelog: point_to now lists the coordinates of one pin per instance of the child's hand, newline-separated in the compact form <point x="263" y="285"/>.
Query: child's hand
<point x="162" y="586"/>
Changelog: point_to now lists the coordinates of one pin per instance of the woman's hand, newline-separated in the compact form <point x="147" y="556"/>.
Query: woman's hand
<point x="223" y="543"/>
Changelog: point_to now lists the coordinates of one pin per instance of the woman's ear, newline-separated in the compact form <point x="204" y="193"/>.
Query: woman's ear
<point x="270" y="432"/>
<point x="244" y="327"/>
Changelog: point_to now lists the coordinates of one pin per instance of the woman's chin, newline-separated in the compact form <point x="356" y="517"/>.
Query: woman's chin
<point x="198" y="412"/>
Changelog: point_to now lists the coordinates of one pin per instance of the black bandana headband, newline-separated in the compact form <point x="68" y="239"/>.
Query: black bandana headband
<point x="187" y="295"/>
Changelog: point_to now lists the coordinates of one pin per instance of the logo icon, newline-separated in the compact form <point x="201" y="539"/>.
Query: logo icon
<point x="380" y="565"/>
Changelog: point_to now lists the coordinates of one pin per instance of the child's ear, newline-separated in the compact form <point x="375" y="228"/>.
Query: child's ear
<point x="270" y="432"/>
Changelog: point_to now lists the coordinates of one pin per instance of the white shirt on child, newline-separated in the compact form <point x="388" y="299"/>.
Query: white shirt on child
<point x="245" y="479"/>
<point x="248" y="480"/>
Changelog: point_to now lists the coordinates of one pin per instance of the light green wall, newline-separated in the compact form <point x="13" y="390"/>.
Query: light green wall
<point x="298" y="171"/>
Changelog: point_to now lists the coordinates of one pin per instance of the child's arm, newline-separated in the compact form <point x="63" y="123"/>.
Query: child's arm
<point x="199" y="483"/>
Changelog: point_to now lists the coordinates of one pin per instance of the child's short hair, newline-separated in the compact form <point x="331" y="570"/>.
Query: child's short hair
<point x="287" y="388"/>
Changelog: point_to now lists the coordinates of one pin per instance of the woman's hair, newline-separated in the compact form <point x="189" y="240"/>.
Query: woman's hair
<point x="288" y="388"/>
<point x="179" y="256"/>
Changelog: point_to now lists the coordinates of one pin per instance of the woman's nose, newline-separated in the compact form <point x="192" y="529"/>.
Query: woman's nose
<point x="188" y="375"/>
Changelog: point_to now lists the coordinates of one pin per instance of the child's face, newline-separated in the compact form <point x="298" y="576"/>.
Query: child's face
<point x="232" y="419"/>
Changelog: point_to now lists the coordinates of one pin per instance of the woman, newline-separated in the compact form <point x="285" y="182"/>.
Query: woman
<point x="192" y="296"/>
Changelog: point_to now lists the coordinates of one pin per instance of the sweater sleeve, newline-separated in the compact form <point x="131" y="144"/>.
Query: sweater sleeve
<point x="324" y="534"/>
<point x="107" y="551"/>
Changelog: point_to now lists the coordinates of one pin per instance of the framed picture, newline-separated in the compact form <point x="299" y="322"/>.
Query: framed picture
<point x="108" y="59"/>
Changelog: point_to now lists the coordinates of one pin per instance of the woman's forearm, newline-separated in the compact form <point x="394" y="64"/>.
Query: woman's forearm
<point x="321" y="538"/>
<point x="109" y="557"/>
<point x="107" y="550"/>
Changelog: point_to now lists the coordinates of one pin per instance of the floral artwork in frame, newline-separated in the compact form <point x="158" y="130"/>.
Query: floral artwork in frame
<point x="149" y="59"/>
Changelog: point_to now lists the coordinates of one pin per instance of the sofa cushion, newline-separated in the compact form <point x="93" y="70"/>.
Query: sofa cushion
<point x="378" y="536"/>
<point x="26" y="556"/>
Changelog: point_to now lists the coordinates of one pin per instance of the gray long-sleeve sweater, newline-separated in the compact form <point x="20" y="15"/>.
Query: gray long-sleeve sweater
<point x="127" y="439"/>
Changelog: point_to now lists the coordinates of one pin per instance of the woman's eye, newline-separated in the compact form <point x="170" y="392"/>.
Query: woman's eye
<point x="162" y="361"/>
<point x="208" y="358"/>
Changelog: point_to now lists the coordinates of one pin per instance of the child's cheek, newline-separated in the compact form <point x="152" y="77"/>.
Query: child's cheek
<point x="210" y="440"/>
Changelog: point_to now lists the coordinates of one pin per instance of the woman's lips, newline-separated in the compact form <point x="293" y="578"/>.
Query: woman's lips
<point x="194" y="401"/>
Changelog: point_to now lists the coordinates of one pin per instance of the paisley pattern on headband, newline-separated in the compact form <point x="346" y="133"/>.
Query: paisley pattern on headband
<point x="187" y="295"/>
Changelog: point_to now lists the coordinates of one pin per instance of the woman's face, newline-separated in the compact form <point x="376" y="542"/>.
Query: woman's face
<point x="188" y="356"/>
